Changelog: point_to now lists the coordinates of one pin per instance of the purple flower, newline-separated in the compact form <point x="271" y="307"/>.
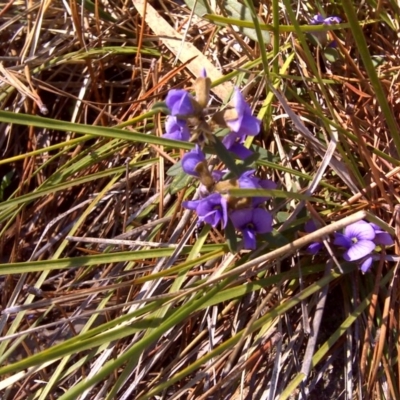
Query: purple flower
<point x="248" y="181"/>
<point x="213" y="209"/>
<point x="234" y="143"/>
<point x="191" y="160"/>
<point x="320" y="20"/>
<point x="366" y="264"/>
<point x="218" y="174"/>
<point x="244" y="123"/>
<point x="251" y="221"/>
<point x="203" y="73"/>
<point x="321" y="36"/>
<point x="382" y="238"/>
<point x="179" y="102"/>
<point x="357" y="239"/>
<point x="176" y="129"/>
<point x="314" y="247"/>
<point x="264" y="184"/>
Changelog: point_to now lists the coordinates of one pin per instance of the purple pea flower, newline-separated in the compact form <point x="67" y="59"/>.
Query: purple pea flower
<point x="179" y="102"/>
<point x="191" y="159"/>
<point x="244" y="123"/>
<point x="176" y="129"/>
<point x="248" y="181"/>
<point x="320" y="20"/>
<point x="213" y="209"/>
<point x="251" y="221"/>
<point x="264" y="184"/>
<point x="382" y="238"/>
<point x="366" y="264"/>
<point x="314" y="247"/>
<point x="358" y="240"/>
<point x="234" y="143"/>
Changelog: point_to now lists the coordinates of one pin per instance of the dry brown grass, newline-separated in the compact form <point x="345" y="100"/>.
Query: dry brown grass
<point x="105" y="65"/>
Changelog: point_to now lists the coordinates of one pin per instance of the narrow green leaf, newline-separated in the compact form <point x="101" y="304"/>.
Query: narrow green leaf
<point x="200" y="7"/>
<point x="97" y="131"/>
<point x="5" y="183"/>
<point x="237" y="10"/>
<point x="231" y="237"/>
<point x="362" y="47"/>
<point x="226" y="157"/>
<point x="65" y="263"/>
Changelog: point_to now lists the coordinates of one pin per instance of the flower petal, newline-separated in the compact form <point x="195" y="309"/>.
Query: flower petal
<point x="233" y="142"/>
<point x="360" y="230"/>
<point x="341" y="240"/>
<point x="249" y="239"/>
<point x="383" y="239"/>
<point x="212" y="218"/>
<point x="179" y="102"/>
<point x="366" y="264"/>
<point x="314" y="248"/>
<point x="376" y="227"/>
<point x="262" y="220"/>
<point x="176" y="129"/>
<point x="263" y="184"/>
<point x="191" y="204"/>
<point x="230" y="139"/>
<point x="224" y="209"/>
<point x="332" y="20"/>
<point x="310" y="226"/>
<point x="250" y="125"/>
<point x="359" y="250"/>
<point x="241" y="151"/>
<point x="317" y="19"/>
<point x="213" y="209"/>
<point x="248" y="181"/>
<point x="244" y="122"/>
<point x="191" y="160"/>
<point x="240" y="218"/>
<point x="239" y="102"/>
<point x="235" y="124"/>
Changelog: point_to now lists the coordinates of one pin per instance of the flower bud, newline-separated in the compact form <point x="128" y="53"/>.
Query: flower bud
<point x="202" y="88"/>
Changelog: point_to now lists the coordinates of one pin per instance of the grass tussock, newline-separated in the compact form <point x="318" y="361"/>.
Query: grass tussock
<point x="109" y="287"/>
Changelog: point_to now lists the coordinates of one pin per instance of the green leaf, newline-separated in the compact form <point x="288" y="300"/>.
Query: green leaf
<point x="377" y="61"/>
<point x="96" y="131"/>
<point x="181" y="180"/>
<point x="201" y="7"/>
<point x="282" y="216"/>
<point x="92" y="7"/>
<point x="5" y="183"/>
<point x="275" y="239"/>
<point x="161" y="107"/>
<point x="231" y="237"/>
<point x="331" y="54"/>
<point x="237" y="10"/>
<point x="265" y="154"/>
<point x="175" y="170"/>
<point x="226" y="157"/>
